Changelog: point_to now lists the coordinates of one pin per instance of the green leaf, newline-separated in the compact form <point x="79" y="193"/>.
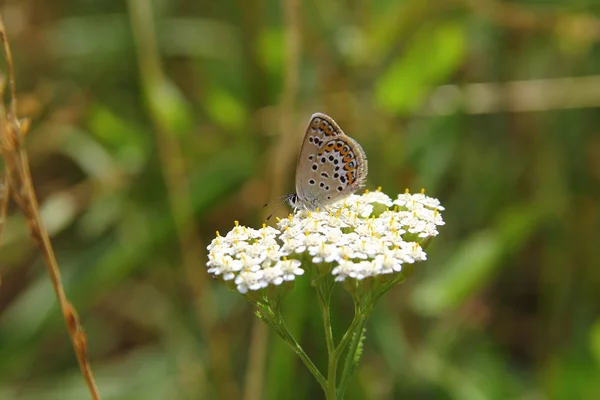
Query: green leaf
<point x="595" y="340"/>
<point x="432" y="56"/>
<point x="169" y="107"/>
<point x="226" y="110"/>
<point x="470" y="267"/>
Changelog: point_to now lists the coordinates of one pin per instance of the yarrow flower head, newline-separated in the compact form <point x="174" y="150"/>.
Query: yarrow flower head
<point x="363" y="240"/>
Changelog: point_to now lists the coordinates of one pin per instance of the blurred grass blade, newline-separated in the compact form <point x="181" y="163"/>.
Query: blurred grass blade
<point x="473" y="263"/>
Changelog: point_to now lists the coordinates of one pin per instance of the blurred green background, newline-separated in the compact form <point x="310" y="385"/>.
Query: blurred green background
<point x="156" y="123"/>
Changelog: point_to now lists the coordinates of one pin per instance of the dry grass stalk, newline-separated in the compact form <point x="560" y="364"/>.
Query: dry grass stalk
<point x="19" y="186"/>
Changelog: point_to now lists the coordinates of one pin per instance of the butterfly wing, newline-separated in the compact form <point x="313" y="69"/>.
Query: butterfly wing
<point x="320" y="130"/>
<point x="348" y="163"/>
<point x="330" y="166"/>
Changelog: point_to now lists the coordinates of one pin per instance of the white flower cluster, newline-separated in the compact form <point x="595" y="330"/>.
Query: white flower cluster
<point x="359" y="237"/>
<point x="252" y="258"/>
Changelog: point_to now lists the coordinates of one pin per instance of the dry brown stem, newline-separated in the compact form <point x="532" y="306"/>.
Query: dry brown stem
<point x="18" y="185"/>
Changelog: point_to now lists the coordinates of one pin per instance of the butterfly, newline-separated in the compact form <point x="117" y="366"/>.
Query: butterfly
<point x="330" y="167"/>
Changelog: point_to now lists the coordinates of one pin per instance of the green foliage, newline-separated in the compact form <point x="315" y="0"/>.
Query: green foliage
<point x="431" y="56"/>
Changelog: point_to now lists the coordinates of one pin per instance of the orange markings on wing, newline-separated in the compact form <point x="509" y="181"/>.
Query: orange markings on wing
<point x="327" y="148"/>
<point x="350" y="177"/>
<point x="327" y="129"/>
<point x="347" y="166"/>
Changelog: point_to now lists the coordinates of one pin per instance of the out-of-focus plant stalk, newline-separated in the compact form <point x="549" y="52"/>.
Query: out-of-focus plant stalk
<point x="278" y="170"/>
<point x="163" y="104"/>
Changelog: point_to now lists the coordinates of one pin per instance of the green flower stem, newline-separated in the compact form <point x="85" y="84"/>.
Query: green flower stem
<point x="352" y="336"/>
<point x="308" y="362"/>
<point x="281" y="329"/>
<point x="354" y="332"/>
<point x="332" y="356"/>
<point x="349" y="333"/>
<point x="324" y="288"/>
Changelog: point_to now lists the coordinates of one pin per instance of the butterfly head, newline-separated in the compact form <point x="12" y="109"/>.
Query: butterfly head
<point x="291" y="198"/>
<point x="307" y="202"/>
<point x="294" y="200"/>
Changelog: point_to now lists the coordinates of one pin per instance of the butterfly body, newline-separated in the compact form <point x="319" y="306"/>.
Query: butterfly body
<point x="330" y="167"/>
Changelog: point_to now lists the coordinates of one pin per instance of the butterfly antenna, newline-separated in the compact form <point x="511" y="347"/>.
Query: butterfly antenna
<point x="287" y="197"/>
